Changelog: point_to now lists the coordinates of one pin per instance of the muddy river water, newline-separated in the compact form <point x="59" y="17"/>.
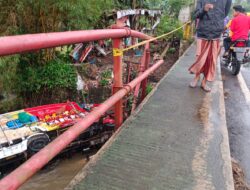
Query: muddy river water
<point x="56" y="176"/>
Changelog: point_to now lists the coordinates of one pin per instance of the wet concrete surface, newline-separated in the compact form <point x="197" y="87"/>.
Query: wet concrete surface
<point x="57" y="175"/>
<point x="238" y="116"/>
<point x="245" y="70"/>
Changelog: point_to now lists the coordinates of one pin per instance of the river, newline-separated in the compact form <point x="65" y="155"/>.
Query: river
<point x="57" y="175"/>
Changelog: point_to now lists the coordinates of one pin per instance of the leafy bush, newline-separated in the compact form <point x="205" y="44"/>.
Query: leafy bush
<point x="58" y="74"/>
<point x="54" y="74"/>
<point x="47" y="83"/>
<point x="105" y="77"/>
<point x="168" y="24"/>
<point x="8" y="76"/>
<point x="106" y="74"/>
<point x="104" y="82"/>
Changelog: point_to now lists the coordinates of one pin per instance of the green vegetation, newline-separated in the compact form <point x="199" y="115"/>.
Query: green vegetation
<point x="106" y="76"/>
<point x="245" y="4"/>
<point x="8" y="78"/>
<point x="171" y="50"/>
<point x="168" y="24"/>
<point x="38" y="84"/>
<point x="149" y="88"/>
<point x="169" y="20"/>
<point x="55" y="74"/>
<point x="46" y="76"/>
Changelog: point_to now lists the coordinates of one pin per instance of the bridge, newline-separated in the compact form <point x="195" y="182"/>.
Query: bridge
<point x="176" y="139"/>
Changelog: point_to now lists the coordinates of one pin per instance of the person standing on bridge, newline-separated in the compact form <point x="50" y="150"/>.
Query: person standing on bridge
<point x="211" y="15"/>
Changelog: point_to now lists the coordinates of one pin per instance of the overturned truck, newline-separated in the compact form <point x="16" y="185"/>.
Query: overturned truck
<point x="25" y="132"/>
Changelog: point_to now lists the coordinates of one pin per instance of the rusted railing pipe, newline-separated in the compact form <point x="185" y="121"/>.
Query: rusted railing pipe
<point x="36" y="162"/>
<point x="30" y="42"/>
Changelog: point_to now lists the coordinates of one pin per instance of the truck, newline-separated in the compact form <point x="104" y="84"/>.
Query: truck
<point x="25" y="132"/>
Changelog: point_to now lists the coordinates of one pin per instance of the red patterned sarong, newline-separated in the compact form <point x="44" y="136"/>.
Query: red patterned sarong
<point x="206" y="58"/>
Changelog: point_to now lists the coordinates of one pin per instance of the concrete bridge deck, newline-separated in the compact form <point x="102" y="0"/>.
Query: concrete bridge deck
<point x="177" y="140"/>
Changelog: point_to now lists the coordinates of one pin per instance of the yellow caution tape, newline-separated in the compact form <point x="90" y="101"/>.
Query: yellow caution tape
<point x="153" y="39"/>
<point x="117" y="52"/>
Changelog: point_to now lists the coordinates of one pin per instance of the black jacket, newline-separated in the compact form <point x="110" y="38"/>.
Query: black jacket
<point x="211" y="23"/>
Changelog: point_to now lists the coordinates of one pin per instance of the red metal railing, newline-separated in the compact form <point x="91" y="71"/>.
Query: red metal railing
<point x="30" y="42"/>
<point x="25" y="43"/>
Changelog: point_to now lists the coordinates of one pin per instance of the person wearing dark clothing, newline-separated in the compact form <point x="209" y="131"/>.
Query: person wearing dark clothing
<point x="211" y="15"/>
<point x="240" y="28"/>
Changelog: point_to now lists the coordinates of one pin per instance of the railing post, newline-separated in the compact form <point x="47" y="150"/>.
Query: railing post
<point x="145" y="81"/>
<point x="187" y="32"/>
<point x="118" y="83"/>
<point x="143" y="65"/>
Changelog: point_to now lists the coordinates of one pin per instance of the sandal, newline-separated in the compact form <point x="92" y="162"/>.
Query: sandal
<point x="206" y="88"/>
<point x="194" y="83"/>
